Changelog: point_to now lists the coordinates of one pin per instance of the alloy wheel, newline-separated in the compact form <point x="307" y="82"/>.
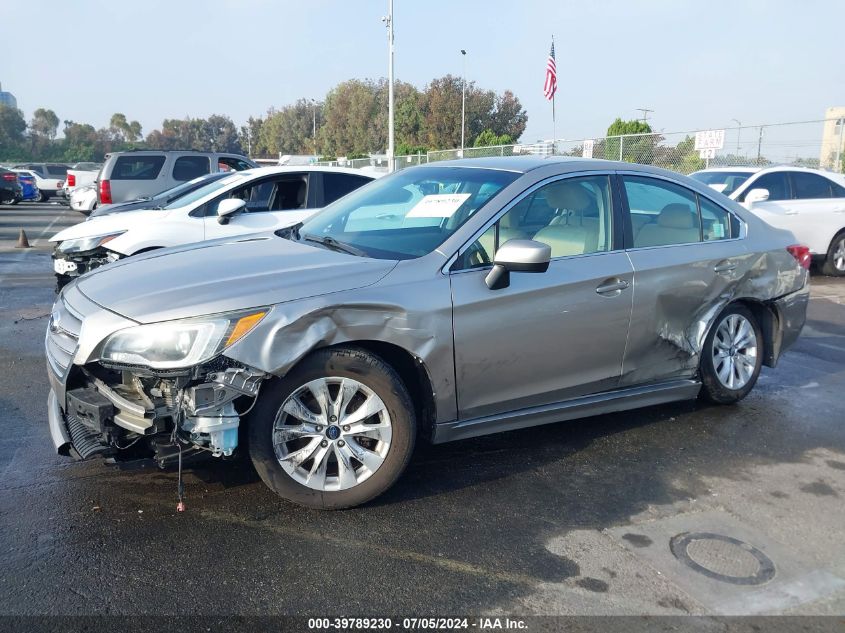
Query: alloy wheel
<point x="332" y="434"/>
<point x="839" y="255"/>
<point x="734" y="351"/>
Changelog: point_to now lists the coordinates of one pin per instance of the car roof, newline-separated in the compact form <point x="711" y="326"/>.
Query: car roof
<point x="743" y="170"/>
<point x="525" y="164"/>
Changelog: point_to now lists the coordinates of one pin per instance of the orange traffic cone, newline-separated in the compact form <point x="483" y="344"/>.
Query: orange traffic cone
<point x="22" y="241"/>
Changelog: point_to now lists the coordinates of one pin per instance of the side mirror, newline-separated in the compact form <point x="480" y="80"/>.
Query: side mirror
<point x="757" y="195"/>
<point x="523" y="256"/>
<point x="227" y="208"/>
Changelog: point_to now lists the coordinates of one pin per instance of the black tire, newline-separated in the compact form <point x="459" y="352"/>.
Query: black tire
<point x="348" y="362"/>
<point x="42" y="197"/>
<point x="828" y="266"/>
<point x="713" y="389"/>
<point x="15" y="200"/>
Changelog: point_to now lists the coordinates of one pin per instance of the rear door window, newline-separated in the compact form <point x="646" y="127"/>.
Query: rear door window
<point x="810" y="186"/>
<point x="190" y="167"/>
<point x="335" y="186"/>
<point x="137" y="167"/>
<point x="662" y="213"/>
<point x="57" y="171"/>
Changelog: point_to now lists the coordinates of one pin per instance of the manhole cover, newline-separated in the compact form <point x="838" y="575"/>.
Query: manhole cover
<point x="723" y="558"/>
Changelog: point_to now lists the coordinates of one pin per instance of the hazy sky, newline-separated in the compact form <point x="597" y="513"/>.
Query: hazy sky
<point x="697" y="64"/>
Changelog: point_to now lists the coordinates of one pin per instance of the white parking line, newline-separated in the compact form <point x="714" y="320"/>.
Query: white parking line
<point x="51" y="225"/>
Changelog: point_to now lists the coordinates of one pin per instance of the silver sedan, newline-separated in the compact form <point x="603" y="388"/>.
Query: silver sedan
<point x="442" y="302"/>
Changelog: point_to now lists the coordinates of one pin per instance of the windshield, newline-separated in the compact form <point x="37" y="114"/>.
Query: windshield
<point x="407" y="214"/>
<point x="725" y="182"/>
<point x="205" y="190"/>
<point x="182" y="189"/>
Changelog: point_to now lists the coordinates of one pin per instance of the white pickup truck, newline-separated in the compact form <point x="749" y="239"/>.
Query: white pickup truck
<point x="80" y="175"/>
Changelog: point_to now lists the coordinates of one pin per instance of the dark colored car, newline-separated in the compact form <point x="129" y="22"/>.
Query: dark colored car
<point x="10" y="188"/>
<point x="161" y="199"/>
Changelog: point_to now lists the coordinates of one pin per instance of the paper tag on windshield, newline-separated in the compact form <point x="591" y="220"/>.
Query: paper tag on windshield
<point x="440" y="205"/>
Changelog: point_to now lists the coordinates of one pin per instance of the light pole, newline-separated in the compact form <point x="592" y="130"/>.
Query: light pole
<point x="388" y="20"/>
<point x="314" y="125"/>
<point x="463" y="102"/>
<point x="738" y="132"/>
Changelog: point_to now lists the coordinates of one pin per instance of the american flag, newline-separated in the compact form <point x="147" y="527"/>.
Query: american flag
<point x="550" y="87"/>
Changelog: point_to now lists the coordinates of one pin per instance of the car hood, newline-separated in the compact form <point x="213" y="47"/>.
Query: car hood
<point x="225" y="275"/>
<point x="109" y="224"/>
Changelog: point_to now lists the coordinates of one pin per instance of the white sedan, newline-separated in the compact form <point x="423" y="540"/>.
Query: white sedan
<point x="251" y="201"/>
<point x="808" y="202"/>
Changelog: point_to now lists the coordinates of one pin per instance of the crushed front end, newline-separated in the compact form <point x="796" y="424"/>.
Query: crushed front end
<point x="72" y="258"/>
<point x="101" y="405"/>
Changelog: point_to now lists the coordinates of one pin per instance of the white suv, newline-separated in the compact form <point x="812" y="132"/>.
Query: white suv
<point x="808" y="202"/>
<point x="256" y="200"/>
<point x="144" y="173"/>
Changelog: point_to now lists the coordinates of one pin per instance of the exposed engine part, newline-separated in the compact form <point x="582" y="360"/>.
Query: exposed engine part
<point x="219" y="429"/>
<point x="245" y="381"/>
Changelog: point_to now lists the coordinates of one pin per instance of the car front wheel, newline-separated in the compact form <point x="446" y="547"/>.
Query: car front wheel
<point x="834" y="263"/>
<point x="335" y="432"/>
<point x="732" y="356"/>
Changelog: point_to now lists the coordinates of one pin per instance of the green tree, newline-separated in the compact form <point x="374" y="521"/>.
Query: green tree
<point x="44" y="123"/>
<point x="124" y="130"/>
<point x="354" y="120"/>
<point x="489" y="137"/>
<point x="290" y="130"/>
<point x="12" y="128"/>
<point x="633" y="149"/>
<point x="250" y="137"/>
<point x="81" y="143"/>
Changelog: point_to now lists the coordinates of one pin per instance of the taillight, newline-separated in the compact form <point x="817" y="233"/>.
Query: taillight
<point x="10" y="177"/>
<point x="71" y="180"/>
<point x="801" y="255"/>
<point x="60" y="184"/>
<point x="105" y="192"/>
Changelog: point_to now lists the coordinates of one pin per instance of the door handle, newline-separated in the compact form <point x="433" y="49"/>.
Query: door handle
<point x="612" y="286"/>
<point x="724" y="267"/>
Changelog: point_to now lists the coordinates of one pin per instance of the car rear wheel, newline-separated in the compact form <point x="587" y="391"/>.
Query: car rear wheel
<point x="732" y="356"/>
<point x="15" y="200"/>
<point x="834" y="263"/>
<point x="335" y="432"/>
<point x="42" y="197"/>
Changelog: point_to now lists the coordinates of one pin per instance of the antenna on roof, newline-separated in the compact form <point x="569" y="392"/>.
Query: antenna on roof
<point x="645" y="112"/>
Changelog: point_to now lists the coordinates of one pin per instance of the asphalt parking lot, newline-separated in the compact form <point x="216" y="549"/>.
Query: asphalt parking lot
<point x="574" y="518"/>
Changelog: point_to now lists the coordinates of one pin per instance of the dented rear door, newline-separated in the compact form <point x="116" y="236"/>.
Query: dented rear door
<point x="679" y="288"/>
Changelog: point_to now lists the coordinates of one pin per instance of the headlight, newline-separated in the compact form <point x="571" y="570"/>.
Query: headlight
<point x="87" y="243"/>
<point x="179" y="344"/>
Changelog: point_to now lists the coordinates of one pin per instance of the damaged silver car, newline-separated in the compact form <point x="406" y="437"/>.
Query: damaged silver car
<point x="439" y="303"/>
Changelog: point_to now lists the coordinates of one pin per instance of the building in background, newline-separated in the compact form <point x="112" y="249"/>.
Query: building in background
<point x="833" y="136"/>
<point x="7" y="98"/>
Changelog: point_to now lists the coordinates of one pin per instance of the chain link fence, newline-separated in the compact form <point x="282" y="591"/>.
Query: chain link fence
<point x="816" y="144"/>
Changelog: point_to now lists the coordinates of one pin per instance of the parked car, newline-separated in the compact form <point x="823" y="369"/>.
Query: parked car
<point x="49" y="177"/>
<point x="808" y="202"/>
<point x="80" y="175"/>
<point x="441" y="302"/>
<point x="84" y="199"/>
<point x="10" y="188"/>
<point x="145" y="173"/>
<point x="159" y="200"/>
<point x="29" y="190"/>
<point x="263" y="199"/>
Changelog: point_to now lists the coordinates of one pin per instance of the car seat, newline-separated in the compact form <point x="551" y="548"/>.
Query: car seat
<point x="676" y="224"/>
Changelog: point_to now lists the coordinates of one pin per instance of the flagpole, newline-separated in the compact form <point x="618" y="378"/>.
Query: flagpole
<point x="554" y="124"/>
